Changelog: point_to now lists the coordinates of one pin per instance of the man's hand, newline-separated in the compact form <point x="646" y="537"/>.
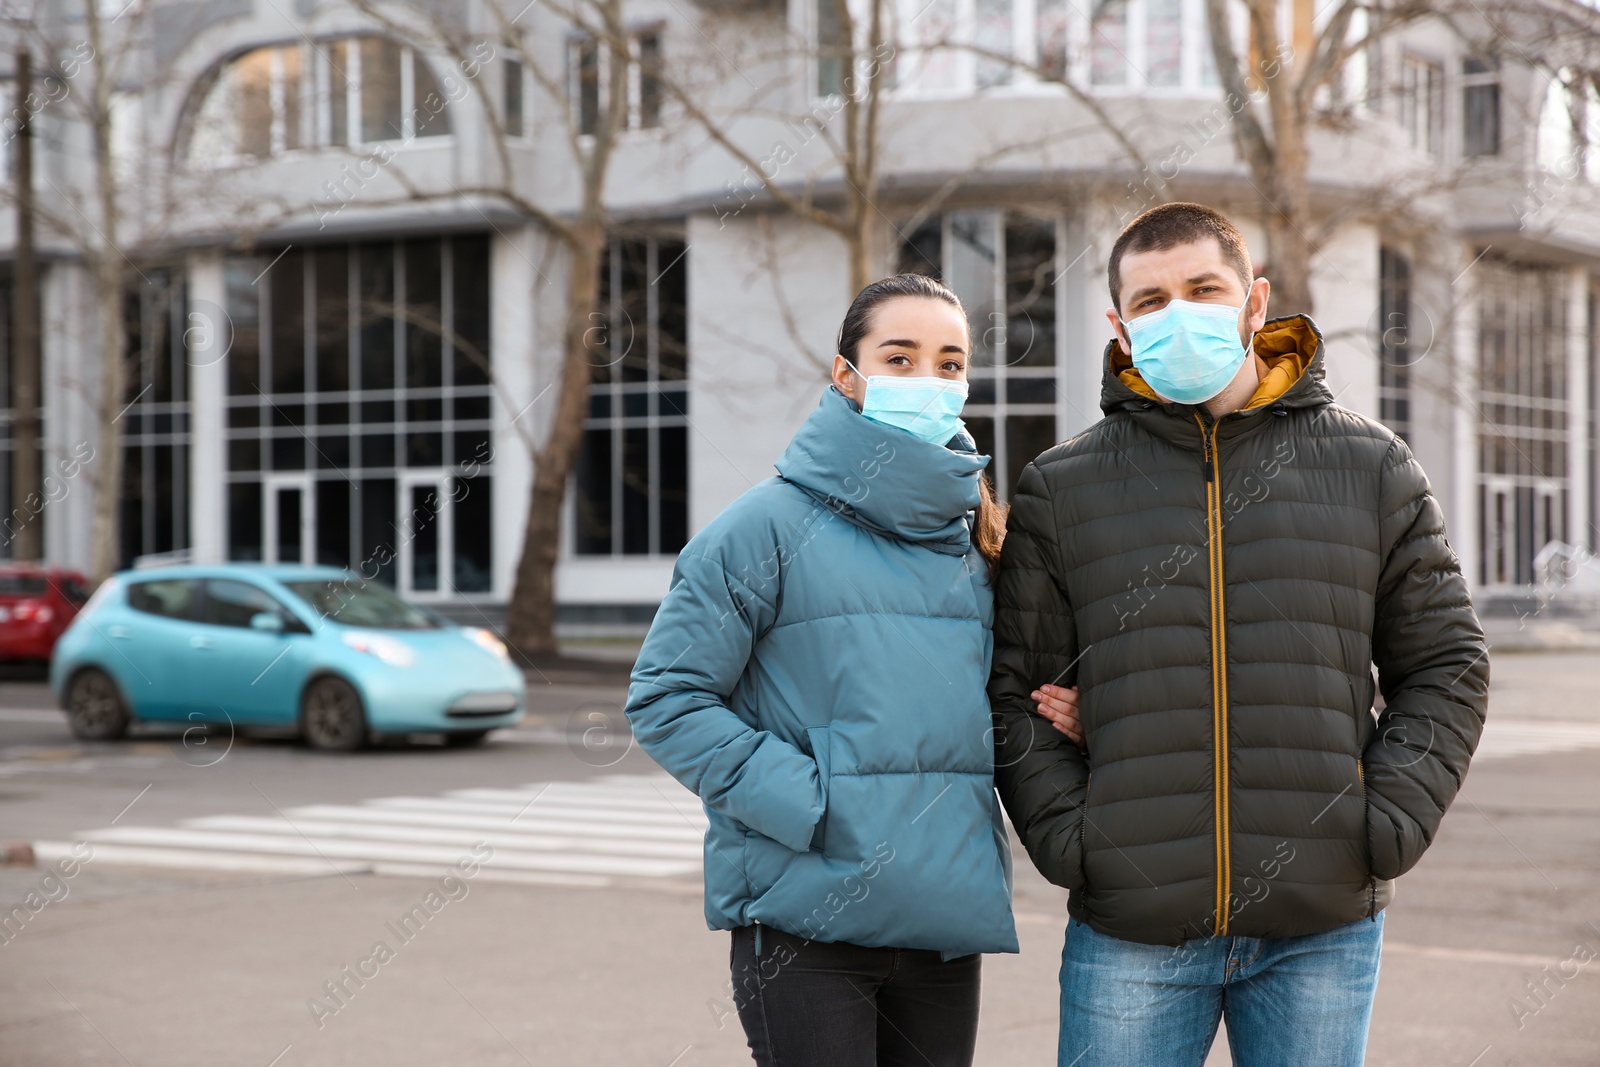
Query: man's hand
<point x="1060" y="706"/>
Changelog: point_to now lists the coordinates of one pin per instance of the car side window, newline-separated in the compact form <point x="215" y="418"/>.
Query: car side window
<point x="230" y="603"/>
<point x="176" y="598"/>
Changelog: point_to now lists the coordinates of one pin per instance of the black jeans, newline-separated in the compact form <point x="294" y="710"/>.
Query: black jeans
<point x="820" y="1004"/>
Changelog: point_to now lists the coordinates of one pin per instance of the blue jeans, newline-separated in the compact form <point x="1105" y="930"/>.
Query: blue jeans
<point x="1289" y="1001"/>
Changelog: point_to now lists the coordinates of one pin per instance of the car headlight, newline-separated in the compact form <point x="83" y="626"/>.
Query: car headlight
<point x="395" y="653"/>
<point x="489" y="641"/>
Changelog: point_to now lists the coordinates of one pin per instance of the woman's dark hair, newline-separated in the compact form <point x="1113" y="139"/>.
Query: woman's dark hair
<point x="989" y="530"/>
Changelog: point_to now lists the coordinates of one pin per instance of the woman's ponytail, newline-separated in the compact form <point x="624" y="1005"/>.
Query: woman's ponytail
<point x="989" y="532"/>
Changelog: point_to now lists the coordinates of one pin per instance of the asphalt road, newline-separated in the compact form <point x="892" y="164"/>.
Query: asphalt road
<point x="1492" y="953"/>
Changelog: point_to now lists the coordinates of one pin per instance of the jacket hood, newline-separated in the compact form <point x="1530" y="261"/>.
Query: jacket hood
<point x="1290" y="346"/>
<point x="883" y="478"/>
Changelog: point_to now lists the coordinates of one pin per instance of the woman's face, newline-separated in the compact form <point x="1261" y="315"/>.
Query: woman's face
<point x="908" y="336"/>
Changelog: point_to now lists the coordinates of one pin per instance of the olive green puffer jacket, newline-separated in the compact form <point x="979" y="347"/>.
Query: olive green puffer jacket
<point x="1220" y="592"/>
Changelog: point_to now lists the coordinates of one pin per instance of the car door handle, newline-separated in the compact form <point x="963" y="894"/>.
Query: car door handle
<point x="202" y="642"/>
<point x="120" y="632"/>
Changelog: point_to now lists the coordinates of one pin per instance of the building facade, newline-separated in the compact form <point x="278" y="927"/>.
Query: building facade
<point x="349" y="342"/>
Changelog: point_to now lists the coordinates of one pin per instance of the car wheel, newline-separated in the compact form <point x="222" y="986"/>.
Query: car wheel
<point x="331" y="716"/>
<point x="465" y="738"/>
<point x="94" y="707"/>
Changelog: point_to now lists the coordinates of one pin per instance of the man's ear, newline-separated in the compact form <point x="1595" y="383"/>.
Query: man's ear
<point x="1118" y="329"/>
<point x="845" y="377"/>
<point x="1260" y="291"/>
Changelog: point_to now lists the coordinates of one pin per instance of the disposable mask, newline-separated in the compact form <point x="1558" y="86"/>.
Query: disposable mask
<point x="1188" y="352"/>
<point x="929" y="408"/>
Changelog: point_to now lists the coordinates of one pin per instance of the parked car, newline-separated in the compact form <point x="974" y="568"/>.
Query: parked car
<point x="317" y="649"/>
<point x="36" y="606"/>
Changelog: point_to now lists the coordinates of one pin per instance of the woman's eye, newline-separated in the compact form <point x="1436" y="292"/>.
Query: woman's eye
<point x="899" y="361"/>
<point x="953" y="367"/>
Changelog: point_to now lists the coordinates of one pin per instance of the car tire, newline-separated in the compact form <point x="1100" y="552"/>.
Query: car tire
<point x="331" y="716"/>
<point x="465" y="738"/>
<point x="95" y="711"/>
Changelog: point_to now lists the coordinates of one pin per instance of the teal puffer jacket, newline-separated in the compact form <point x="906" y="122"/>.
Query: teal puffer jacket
<point x="816" y="675"/>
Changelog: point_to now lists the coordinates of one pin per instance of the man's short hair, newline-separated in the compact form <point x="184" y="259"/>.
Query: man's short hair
<point x="1169" y="225"/>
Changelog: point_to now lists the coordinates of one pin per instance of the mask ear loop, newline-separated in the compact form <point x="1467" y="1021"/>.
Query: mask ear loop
<point x="862" y="403"/>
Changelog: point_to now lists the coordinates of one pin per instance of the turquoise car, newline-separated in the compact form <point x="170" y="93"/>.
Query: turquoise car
<point x="314" y="649"/>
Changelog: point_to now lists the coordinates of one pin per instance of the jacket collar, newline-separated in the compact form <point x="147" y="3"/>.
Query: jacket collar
<point x="883" y="478"/>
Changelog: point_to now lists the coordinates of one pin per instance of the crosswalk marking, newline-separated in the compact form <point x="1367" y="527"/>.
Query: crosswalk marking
<point x="1504" y="738"/>
<point x="568" y="833"/>
<point x="588" y="833"/>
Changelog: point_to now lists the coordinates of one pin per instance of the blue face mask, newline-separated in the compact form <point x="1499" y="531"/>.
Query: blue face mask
<point x="929" y="408"/>
<point x="1187" y="352"/>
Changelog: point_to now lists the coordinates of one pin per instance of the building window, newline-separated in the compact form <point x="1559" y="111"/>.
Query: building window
<point x="1480" y="107"/>
<point x="1002" y="264"/>
<point x="631" y="486"/>
<point x="833" y="48"/>
<point x="1422" y="103"/>
<point x="155" y="425"/>
<point x="1143" y="44"/>
<point x="1569" y="127"/>
<point x="343" y="92"/>
<point x="512" y="75"/>
<point x="358" y="428"/>
<point x="959" y="46"/>
<point x="1394" y="352"/>
<point x="1523" y="432"/>
<point x="588" y="65"/>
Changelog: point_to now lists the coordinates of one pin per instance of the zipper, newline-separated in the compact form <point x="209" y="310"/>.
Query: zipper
<point x="1219" y="678"/>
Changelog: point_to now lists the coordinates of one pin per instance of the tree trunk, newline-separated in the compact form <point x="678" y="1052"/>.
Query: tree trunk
<point x="1289" y="248"/>
<point x="530" y="615"/>
<point x="106" y="265"/>
<point x="25" y="498"/>
<point x="106" y="466"/>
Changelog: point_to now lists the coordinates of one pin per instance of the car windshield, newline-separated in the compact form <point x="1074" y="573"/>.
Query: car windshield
<point x="22" y="585"/>
<point x="357" y="603"/>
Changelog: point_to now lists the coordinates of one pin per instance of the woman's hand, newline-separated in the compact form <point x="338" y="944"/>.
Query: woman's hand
<point x="1060" y="706"/>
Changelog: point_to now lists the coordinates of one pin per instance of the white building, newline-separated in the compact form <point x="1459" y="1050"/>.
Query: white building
<point x="342" y="394"/>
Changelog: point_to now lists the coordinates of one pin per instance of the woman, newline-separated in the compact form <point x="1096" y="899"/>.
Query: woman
<point x="816" y="674"/>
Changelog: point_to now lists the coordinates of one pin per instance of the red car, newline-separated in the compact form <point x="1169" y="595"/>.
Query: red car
<point x="36" y="605"/>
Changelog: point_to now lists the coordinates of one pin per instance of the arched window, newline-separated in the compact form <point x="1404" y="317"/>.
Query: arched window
<point x="282" y="98"/>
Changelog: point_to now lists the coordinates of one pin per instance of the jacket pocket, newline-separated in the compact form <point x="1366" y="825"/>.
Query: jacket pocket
<point x="1083" y="832"/>
<point x="821" y="744"/>
<point x="1366" y="836"/>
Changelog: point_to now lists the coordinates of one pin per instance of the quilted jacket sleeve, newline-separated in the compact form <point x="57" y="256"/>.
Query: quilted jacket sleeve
<point x="1041" y="776"/>
<point x="698" y="647"/>
<point x="1433" y="671"/>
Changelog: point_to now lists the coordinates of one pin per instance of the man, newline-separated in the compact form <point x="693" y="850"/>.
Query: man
<point x="1217" y="565"/>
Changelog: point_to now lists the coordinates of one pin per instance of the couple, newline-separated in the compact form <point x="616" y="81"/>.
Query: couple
<point x="1188" y="599"/>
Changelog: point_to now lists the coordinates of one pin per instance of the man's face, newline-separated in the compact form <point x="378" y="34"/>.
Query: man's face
<point x="1196" y="272"/>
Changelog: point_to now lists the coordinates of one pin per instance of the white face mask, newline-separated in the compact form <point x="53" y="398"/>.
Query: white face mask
<point x="926" y="407"/>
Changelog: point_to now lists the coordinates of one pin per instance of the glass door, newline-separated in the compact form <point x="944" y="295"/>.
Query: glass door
<point x="427" y="535"/>
<point x="1518" y="518"/>
<point x="289" y="519"/>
